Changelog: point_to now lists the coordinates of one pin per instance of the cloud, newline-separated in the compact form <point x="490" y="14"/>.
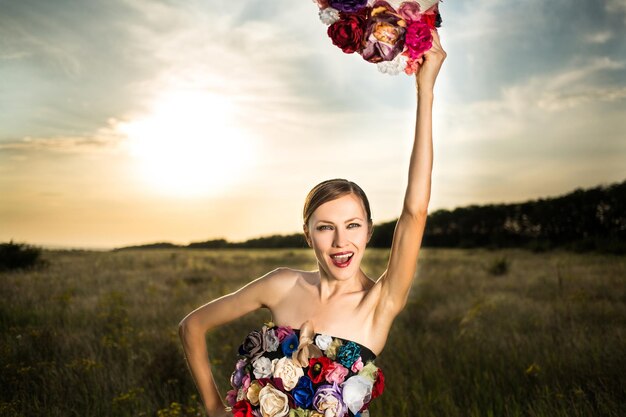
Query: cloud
<point x="598" y="37"/>
<point x="526" y="102"/>
<point x="616" y="6"/>
<point x="106" y="139"/>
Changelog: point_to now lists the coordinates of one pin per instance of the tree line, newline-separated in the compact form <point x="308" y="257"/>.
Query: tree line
<point x="583" y="220"/>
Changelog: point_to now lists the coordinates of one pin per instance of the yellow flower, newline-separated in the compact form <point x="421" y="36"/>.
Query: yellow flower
<point x="253" y="392"/>
<point x="331" y="352"/>
<point x="369" y="371"/>
<point x="533" y="369"/>
<point x="299" y="412"/>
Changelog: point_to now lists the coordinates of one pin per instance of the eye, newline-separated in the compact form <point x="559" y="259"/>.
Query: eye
<point x="324" y="227"/>
<point x="353" y="225"/>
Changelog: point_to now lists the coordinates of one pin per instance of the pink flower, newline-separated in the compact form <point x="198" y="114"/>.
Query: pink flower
<point x="245" y="382"/>
<point x="283" y="331"/>
<point x="231" y="397"/>
<point x="336" y="372"/>
<point x="357" y="365"/>
<point x="410" y="11"/>
<point x="412" y="66"/>
<point x="418" y="39"/>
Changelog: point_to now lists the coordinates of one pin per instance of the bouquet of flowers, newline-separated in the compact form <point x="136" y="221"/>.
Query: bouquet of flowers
<point x="280" y="374"/>
<point x="393" y="34"/>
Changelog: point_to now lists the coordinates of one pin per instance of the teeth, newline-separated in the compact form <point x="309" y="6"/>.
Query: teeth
<point x="342" y="258"/>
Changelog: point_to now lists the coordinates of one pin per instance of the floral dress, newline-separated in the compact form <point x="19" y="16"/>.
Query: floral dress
<point x="298" y="373"/>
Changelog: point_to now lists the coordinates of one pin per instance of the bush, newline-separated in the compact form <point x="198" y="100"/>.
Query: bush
<point x="19" y="256"/>
<point x="499" y="267"/>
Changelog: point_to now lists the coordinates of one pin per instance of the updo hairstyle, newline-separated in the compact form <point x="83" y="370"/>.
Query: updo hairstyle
<point x="330" y="190"/>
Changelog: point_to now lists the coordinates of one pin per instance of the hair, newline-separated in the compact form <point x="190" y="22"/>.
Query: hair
<point x="330" y="190"/>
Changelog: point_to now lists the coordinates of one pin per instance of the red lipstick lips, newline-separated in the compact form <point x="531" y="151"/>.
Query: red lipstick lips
<point x="341" y="259"/>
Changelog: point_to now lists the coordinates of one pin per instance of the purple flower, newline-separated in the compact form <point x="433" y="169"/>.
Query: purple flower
<point x="349" y="6"/>
<point x="328" y="401"/>
<point x="238" y="374"/>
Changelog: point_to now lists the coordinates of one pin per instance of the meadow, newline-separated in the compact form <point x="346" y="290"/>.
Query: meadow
<point x="485" y="333"/>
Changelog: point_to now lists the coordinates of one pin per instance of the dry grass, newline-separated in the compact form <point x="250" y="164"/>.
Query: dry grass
<point x="95" y="333"/>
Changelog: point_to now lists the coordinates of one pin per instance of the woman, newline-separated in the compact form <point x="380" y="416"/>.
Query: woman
<point x="338" y="299"/>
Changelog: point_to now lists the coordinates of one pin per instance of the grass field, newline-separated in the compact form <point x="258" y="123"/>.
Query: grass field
<point x="486" y="333"/>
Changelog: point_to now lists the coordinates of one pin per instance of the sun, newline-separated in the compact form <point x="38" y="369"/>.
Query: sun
<point x="190" y="144"/>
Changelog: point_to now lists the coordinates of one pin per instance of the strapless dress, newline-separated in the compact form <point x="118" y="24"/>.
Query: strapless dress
<point x="282" y="371"/>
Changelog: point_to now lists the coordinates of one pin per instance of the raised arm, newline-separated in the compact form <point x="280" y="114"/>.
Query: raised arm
<point x="193" y="328"/>
<point x="407" y="238"/>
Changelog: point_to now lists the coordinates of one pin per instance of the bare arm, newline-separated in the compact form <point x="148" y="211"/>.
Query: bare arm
<point x="193" y="328"/>
<point x="407" y="239"/>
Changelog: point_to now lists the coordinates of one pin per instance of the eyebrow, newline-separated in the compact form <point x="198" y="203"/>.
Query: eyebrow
<point x="347" y="221"/>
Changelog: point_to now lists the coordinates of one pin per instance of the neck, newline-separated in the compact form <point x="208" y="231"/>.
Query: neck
<point x="330" y="287"/>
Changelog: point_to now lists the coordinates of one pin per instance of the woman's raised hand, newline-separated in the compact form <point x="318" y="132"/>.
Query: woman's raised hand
<point x="430" y="65"/>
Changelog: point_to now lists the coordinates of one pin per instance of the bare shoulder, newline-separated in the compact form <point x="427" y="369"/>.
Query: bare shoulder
<point x="274" y="285"/>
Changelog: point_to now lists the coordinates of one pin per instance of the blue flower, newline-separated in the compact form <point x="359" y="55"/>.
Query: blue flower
<point x="348" y="353"/>
<point x="303" y="392"/>
<point x="289" y="344"/>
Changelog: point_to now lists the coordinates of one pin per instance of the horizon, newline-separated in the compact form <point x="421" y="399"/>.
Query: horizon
<point x="145" y="121"/>
<point x="53" y="246"/>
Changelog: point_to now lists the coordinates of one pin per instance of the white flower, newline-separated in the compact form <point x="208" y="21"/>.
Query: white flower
<point x="270" y="341"/>
<point x="356" y="391"/>
<point x="263" y="367"/>
<point x="393" y="67"/>
<point x="241" y="394"/>
<point x="323" y="341"/>
<point x="288" y="371"/>
<point x="329" y="15"/>
<point x="273" y="402"/>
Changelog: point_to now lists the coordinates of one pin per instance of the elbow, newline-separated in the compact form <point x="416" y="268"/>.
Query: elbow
<point x="416" y="211"/>
<point x="182" y="329"/>
<point x="186" y="328"/>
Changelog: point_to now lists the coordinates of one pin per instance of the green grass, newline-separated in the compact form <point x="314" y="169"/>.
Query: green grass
<point x="95" y="333"/>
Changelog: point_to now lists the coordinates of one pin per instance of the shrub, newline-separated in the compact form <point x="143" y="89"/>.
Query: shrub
<point x="19" y="256"/>
<point x="499" y="267"/>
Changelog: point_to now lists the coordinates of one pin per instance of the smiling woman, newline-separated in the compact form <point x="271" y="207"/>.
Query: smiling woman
<point x="189" y="144"/>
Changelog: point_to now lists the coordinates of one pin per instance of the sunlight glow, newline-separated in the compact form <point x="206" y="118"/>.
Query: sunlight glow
<point x="190" y="144"/>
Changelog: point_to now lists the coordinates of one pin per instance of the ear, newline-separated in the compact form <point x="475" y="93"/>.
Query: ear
<point x="306" y="235"/>
<point x="370" y="231"/>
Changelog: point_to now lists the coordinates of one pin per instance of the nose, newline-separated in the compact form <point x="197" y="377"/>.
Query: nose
<point x="340" y="238"/>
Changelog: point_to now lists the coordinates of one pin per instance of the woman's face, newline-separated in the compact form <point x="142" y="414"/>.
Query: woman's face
<point x="338" y="231"/>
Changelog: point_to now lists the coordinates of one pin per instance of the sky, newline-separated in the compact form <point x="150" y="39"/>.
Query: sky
<point x="125" y="122"/>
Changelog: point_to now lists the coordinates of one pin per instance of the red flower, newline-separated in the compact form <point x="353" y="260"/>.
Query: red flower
<point x="379" y="384"/>
<point x="429" y="19"/>
<point x="242" y="409"/>
<point x="318" y="368"/>
<point x="347" y="32"/>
